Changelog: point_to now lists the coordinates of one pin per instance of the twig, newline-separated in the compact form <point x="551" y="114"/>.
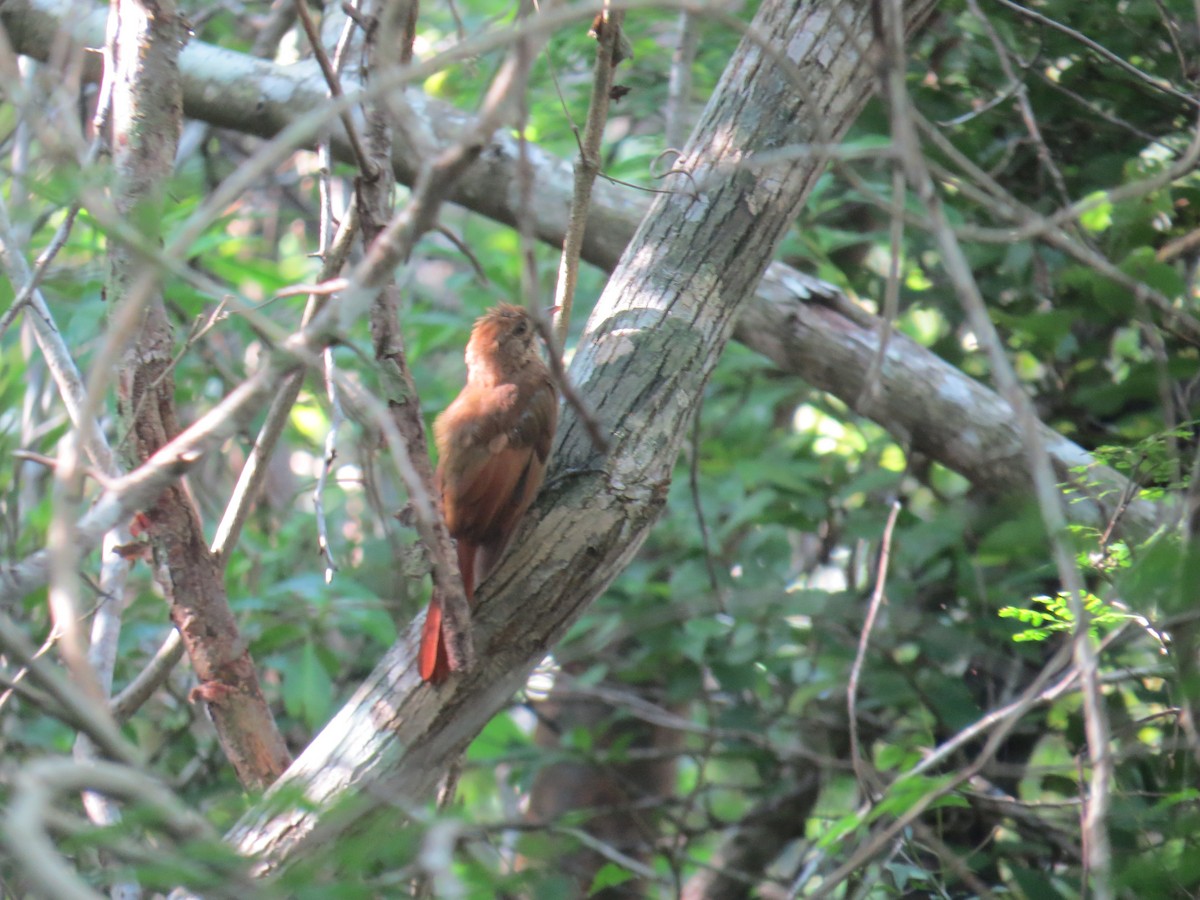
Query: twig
<point x="563" y="382"/>
<point x="133" y="491"/>
<point x="39" y="270"/>
<point x="322" y="289"/>
<point x="14" y="684"/>
<point x="960" y="868"/>
<point x="1031" y="224"/>
<point x="465" y="249"/>
<point x="138" y="691"/>
<point x="58" y="356"/>
<point x="327" y="459"/>
<point x="31" y="811"/>
<point x="254" y="470"/>
<point x="1000" y="722"/>
<point x="52" y="464"/>
<point x="335" y="88"/>
<point x="65" y="556"/>
<point x="1095" y="110"/>
<point x="1103" y="52"/>
<point x="102" y="656"/>
<point x="86" y="713"/>
<point x="976" y="111"/>
<point x="608" y="36"/>
<point x="59" y="240"/>
<point x="524" y="178"/>
<point x="198" y="329"/>
<point x="639" y="707"/>
<point x="694" y="485"/>
<point x="891" y="293"/>
<point x="868" y="783"/>
<point x="1031" y="125"/>
<point x="326" y="232"/>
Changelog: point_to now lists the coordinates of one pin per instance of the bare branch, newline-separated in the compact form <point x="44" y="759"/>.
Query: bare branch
<point x="1103" y="52"/>
<point x="867" y="780"/>
<point x="607" y="30"/>
<point x="138" y="691"/>
<point x="335" y="88"/>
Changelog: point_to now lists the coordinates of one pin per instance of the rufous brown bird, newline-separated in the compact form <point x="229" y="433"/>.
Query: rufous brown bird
<point x="493" y="442"/>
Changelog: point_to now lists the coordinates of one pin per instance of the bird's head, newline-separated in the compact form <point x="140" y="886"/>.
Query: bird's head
<point x="504" y="338"/>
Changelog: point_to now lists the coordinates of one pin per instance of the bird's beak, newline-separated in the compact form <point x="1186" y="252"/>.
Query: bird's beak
<point x="551" y="310"/>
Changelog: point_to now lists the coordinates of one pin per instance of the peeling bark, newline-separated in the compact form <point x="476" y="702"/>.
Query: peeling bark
<point x="147" y="118"/>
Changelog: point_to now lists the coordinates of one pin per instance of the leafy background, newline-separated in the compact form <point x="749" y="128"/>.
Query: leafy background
<point x="743" y="611"/>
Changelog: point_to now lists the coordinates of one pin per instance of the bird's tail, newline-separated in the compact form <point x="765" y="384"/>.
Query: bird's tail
<point x="432" y="661"/>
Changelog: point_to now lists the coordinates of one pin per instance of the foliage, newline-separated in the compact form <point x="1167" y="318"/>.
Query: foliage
<point x="1058" y="617"/>
<point x="742" y="615"/>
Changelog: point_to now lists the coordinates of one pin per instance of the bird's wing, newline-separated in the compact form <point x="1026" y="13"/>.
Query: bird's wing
<point x="535" y="427"/>
<point x="490" y="475"/>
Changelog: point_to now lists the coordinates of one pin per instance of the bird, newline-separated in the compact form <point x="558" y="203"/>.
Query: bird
<point x="493" y="443"/>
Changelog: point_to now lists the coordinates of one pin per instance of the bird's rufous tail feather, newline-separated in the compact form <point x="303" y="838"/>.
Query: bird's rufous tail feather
<point x="432" y="661"/>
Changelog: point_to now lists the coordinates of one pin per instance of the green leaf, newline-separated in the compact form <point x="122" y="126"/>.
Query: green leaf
<point x="1098" y="215"/>
<point x="610" y="875"/>
<point x="498" y="738"/>
<point x="307" y="688"/>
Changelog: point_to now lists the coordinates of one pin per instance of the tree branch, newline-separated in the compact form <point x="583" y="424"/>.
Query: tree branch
<point x="147" y="118"/>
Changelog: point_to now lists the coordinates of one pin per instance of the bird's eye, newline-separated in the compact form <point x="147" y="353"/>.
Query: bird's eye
<point x="521" y="328"/>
